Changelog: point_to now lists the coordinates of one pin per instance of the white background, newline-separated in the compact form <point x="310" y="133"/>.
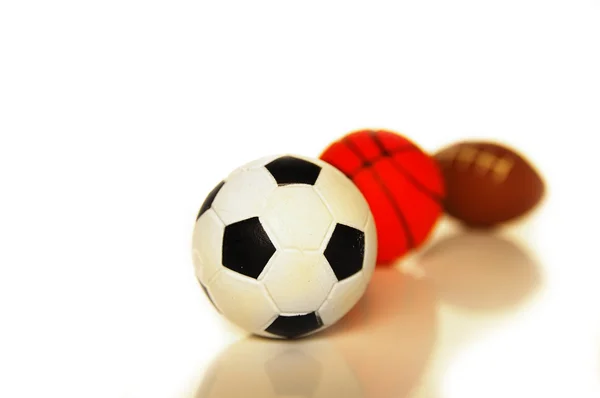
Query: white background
<point x="117" y="117"/>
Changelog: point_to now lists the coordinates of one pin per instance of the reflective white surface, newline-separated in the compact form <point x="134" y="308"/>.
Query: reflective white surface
<point x="471" y="315"/>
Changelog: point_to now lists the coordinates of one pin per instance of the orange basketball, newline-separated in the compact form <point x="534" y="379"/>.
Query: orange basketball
<point x="402" y="184"/>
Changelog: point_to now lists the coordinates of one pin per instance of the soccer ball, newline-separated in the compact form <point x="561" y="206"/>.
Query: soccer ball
<point x="285" y="246"/>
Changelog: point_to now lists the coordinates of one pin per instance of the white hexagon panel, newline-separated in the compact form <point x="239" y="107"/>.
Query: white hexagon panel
<point x="207" y="238"/>
<point x="277" y="238"/>
<point x="370" y="249"/>
<point x="255" y="184"/>
<point x="255" y="164"/>
<point x="245" y="302"/>
<point x="312" y="281"/>
<point x="342" y="298"/>
<point x="345" y="202"/>
<point x="297" y="217"/>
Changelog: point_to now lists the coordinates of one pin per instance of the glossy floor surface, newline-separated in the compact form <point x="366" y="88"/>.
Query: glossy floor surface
<point x="474" y="314"/>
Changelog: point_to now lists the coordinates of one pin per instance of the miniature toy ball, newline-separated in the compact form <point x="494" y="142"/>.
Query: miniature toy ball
<point x="285" y="246"/>
<point x="488" y="183"/>
<point x="402" y="184"/>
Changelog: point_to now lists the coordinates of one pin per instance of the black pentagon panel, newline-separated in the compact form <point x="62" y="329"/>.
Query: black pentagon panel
<point x="210" y="199"/>
<point x="247" y="247"/>
<point x="295" y="326"/>
<point x="290" y="170"/>
<point x="294" y="373"/>
<point x="205" y="290"/>
<point x="345" y="251"/>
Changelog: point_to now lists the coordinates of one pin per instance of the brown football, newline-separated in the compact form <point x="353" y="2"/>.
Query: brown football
<point x="488" y="183"/>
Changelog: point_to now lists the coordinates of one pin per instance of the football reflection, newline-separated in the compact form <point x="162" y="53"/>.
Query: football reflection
<point x="379" y="349"/>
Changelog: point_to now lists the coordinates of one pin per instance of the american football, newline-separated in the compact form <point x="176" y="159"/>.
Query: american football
<point x="488" y="183"/>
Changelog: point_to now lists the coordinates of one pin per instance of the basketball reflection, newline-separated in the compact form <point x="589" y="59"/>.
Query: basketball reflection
<point x="378" y="350"/>
<point x="480" y="271"/>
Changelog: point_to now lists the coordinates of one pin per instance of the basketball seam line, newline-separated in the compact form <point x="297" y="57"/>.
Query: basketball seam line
<point x="397" y="151"/>
<point x="399" y="213"/>
<point x="434" y="196"/>
<point x="409" y="239"/>
<point x="431" y="194"/>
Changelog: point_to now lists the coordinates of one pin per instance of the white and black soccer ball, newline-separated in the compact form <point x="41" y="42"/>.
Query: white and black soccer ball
<point x="284" y="246"/>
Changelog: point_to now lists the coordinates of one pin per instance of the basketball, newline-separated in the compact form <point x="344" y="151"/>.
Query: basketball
<point x="401" y="183"/>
